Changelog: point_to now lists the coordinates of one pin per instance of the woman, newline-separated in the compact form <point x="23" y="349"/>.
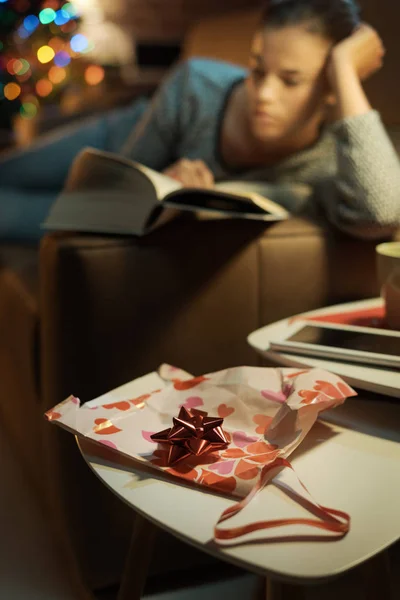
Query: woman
<point x="298" y="116"/>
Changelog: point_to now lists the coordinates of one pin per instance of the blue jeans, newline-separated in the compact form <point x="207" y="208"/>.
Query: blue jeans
<point x="31" y="179"/>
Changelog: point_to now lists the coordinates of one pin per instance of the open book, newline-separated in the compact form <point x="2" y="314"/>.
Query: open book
<point x="107" y="193"/>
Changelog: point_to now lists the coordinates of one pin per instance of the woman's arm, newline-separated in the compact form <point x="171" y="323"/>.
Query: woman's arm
<point x="354" y="59"/>
<point x="367" y="185"/>
<point x="154" y="141"/>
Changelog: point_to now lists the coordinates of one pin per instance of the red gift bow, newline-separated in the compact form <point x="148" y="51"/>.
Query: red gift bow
<point x="193" y="432"/>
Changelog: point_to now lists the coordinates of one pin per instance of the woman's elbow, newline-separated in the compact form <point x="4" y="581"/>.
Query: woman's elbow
<point x="372" y="231"/>
<point x="373" y="216"/>
<point x="382" y="208"/>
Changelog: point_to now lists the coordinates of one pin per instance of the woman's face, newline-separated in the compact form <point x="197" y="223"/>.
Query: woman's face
<point x="286" y="86"/>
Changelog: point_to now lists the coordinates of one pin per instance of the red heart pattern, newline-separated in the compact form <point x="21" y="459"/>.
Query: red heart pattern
<point x="224" y="467"/>
<point x="245" y="470"/>
<point x="188" y="384"/>
<point x="224" y="411"/>
<point x="308" y="395"/>
<point x="193" y="402"/>
<point x="123" y="405"/>
<point x="241" y="439"/>
<point x="263" y="422"/>
<point x="52" y="415"/>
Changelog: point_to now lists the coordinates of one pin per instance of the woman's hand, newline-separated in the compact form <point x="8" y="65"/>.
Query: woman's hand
<point x="191" y="173"/>
<point x="351" y="61"/>
<point x="363" y="51"/>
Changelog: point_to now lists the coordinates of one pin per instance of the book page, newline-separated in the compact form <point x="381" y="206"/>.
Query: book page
<point x="273" y="197"/>
<point x="235" y="188"/>
<point x="226" y="200"/>
<point x="103" y="193"/>
<point x="226" y="204"/>
<point x="162" y="183"/>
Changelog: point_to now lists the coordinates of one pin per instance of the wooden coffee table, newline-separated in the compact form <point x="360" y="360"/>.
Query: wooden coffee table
<point x="350" y="460"/>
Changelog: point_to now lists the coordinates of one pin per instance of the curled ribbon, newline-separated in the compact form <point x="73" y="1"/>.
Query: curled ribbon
<point x="335" y="521"/>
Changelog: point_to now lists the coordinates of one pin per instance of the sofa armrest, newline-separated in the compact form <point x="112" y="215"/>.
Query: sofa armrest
<point x="187" y="294"/>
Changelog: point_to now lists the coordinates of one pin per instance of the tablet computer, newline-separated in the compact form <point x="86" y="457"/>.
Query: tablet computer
<point x="341" y="342"/>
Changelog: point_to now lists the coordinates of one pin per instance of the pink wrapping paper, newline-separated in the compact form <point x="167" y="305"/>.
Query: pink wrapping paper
<point x="267" y="413"/>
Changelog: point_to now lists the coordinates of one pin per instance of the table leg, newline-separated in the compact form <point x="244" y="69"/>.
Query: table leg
<point x="375" y="576"/>
<point x="138" y="559"/>
<point x="275" y="590"/>
<point x="369" y="581"/>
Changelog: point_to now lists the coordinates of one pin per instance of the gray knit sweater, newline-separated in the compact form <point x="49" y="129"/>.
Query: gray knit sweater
<point x="352" y="172"/>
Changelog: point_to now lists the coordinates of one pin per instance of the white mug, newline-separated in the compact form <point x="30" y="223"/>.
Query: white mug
<point x="388" y="261"/>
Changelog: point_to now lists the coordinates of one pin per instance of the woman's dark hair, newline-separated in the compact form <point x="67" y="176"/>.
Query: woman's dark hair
<point x="334" y="19"/>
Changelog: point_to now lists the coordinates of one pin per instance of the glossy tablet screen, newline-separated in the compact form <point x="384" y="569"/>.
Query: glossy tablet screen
<point x="349" y="340"/>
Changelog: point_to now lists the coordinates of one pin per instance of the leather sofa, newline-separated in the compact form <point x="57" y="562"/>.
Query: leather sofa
<point x="84" y="314"/>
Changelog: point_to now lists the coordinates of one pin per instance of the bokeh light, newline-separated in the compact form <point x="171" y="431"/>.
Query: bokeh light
<point x="44" y="87"/>
<point x="79" y="42"/>
<point x="23" y="33"/>
<point x="57" y="75"/>
<point x="70" y="10"/>
<point x="28" y="110"/>
<point x="89" y="47"/>
<point x="12" y="91"/>
<point x="30" y="23"/>
<point x="16" y="65"/>
<point x="62" y="17"/>
<point x="47" y="15"/>
<point x="10" y="66"/>
<point x="62" y="59"/>
<point x="94" y="75"/>
<point x="45" y="54"/>
<point x="48" y="34"/>
<point x="21" y="66"/>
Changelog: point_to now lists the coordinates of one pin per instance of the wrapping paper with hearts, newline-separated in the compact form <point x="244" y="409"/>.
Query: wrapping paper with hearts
<point x="267" y="413"/>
